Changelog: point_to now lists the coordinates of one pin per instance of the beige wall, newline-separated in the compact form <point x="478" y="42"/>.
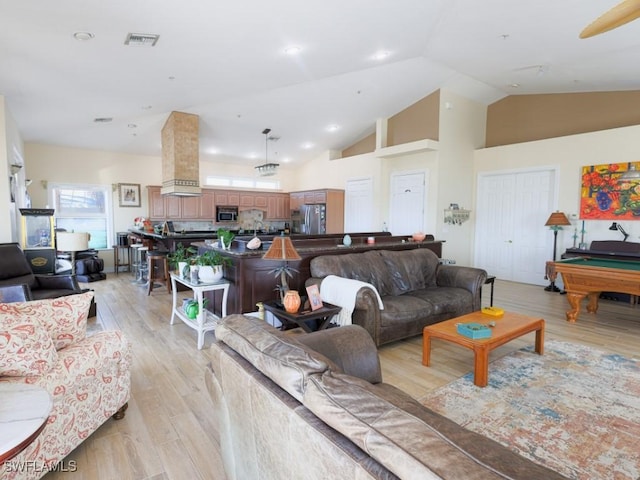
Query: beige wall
<point x="524" y="118"/>
<point x="366" y="145"/>
<point x="462" y="131"/>
<point x="417" y="122"/>
<point x="569" y="154"/>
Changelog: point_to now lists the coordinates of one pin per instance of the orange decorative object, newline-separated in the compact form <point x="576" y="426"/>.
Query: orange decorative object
<point x="291" y="301"/>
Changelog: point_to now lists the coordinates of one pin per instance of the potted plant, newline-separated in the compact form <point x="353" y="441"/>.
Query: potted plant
<point x="179" y="259"/>
<point x="210" y="266"/>
<point x="225" y="237"/>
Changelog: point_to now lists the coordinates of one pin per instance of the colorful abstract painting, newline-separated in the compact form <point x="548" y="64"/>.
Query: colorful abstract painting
<point x="607" y="194"/>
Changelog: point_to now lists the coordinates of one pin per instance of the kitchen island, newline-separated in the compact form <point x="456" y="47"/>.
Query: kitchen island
<point x="252" y="278"/>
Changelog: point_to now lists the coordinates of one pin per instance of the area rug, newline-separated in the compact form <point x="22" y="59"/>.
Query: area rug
<point x="574" y="409"/>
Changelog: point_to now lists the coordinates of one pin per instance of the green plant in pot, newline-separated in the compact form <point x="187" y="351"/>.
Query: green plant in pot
<point x="210" y="265"/>
<point x="225" y="237"/>
<point x="180" y="258"/>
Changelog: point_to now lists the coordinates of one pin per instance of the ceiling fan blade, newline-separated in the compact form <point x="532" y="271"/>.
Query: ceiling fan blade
<point x="622" y="13"/>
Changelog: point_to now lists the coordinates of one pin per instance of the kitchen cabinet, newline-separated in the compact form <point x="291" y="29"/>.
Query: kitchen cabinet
<point x="173" y="206"/>
<point x="261" y="201"/>
<point x="227" y="198"/>
<point x="208" y="205"/>
<point x="162" y="207"/>
<point x="190" y="207"/>
<point x="278" y="207"/>
<point x="156" y="204"/>
<point x="247" y="199"/>
<point x="203" y="207"/>
<point x="296" y="200"/>
<point x="315" y="197"/>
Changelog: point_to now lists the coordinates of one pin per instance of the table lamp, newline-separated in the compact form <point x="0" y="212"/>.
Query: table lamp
<point x="282" y="249"/>
<point x="556" y="221"/>
<point x="72" y="242"/>
<point x="617" y="227"/>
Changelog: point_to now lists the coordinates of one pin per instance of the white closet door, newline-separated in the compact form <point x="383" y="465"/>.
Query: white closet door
<point x="494" y="225"/>
<point x="407" y="202"/>
<point x="512" y="242"/>
<point x="358" y="206"/>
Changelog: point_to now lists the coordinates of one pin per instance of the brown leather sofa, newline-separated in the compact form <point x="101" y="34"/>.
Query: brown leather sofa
<point x="15" y="270"/>
<point x="416" y="290"/>
<point x="313" y="406"/>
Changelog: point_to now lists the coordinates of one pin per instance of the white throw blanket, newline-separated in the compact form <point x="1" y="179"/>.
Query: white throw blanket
<point x="342" y="292"/>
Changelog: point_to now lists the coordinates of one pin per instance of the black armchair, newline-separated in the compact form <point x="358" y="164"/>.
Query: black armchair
<point x="15" y="270"/>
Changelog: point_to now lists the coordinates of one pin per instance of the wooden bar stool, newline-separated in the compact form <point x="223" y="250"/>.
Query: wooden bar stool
<point x="156" y="260"/>
<point x="121" y="258"/>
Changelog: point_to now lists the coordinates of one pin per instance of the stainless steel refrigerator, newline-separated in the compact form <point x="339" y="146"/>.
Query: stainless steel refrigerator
<point x="313" y="219"/>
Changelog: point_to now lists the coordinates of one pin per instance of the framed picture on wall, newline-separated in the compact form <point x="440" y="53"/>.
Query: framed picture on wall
<point x="129" y="194"/>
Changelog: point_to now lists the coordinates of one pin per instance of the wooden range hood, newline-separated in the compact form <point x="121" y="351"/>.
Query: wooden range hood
<point x="180" y="155"/>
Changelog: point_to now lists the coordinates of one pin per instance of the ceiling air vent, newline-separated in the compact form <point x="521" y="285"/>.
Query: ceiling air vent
<point x="141" y="39"/>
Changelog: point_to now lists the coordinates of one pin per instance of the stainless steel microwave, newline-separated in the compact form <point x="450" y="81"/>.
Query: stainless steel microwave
<point x="226" y="214"/>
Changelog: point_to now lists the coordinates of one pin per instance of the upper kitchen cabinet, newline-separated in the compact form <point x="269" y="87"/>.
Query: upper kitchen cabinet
<point x="171" y="207"/>
<point x="203" y="207"/>
<point x="162" y="207"/>
<point x="247" y="199"/>
<point x="208" y="205"/>
<point x="156" y="204"/>
<point x="296" y="200"/>
<point x="277" y="206"/>
<point x="190" y="207"/>
<point x="315" y="197"/>
<point x="227" y="198"/>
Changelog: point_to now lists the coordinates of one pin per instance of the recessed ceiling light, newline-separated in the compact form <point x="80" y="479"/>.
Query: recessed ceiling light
<point x="333" y="128"/>
<point x="292" y="50"/>
<point x="83" y="36"/>
<point x="286" y="160"/>
<point x="252" y="155"/>
<point x="308" y="145"/>
<point x="381" y="55"/>
<point x="514" y="85"/>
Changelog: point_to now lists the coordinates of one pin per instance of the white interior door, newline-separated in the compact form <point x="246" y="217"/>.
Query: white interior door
<point x="358" y="206"/>
<point x="407" y="203"/>
<point x="511" y="240"/>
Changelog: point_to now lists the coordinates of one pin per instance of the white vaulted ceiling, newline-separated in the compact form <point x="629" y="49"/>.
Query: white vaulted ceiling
<point x="225" y="61"/>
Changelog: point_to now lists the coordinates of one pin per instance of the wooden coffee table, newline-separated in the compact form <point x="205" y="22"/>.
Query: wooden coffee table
<point x="508" y="327"/>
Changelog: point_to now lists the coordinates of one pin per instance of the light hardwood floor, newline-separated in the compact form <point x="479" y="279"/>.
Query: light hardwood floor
<point x="168" y="433"/>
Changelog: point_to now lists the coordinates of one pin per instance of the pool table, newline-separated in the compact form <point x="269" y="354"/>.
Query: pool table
<point x="588" y="277"/>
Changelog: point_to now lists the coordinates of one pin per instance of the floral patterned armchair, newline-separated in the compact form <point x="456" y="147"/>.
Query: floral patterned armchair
<point x="43" y="343"/>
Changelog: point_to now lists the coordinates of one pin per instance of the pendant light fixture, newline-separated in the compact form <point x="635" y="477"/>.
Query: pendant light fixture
<point x="267" y="168"/>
